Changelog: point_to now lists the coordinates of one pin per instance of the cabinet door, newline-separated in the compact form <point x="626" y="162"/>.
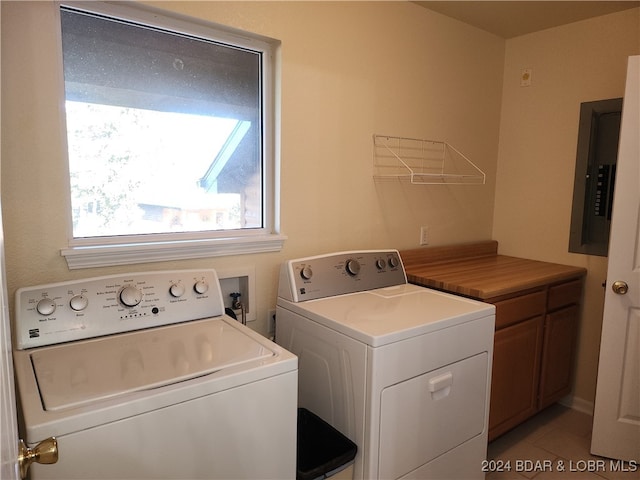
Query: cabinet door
<point x="564" y="294"/>
<point x="557" y="354"/>
<point x="520" y="308"/>
<point x="515" y="374"/>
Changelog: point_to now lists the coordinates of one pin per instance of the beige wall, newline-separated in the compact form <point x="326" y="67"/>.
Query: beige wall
<point x="576" y="63"/>
<point x="348" y="70"/>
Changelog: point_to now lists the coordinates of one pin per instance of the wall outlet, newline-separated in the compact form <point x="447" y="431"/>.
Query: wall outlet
<point x="424" y="235"/>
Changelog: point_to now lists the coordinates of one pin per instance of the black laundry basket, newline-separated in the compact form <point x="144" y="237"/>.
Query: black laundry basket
<point x="322" y="450"/>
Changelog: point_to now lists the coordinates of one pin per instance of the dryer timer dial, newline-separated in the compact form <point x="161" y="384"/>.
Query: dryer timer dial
<point x="352" y="267"/>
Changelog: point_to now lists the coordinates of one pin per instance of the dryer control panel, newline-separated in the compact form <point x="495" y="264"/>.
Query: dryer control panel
<point x="339" y="274"/>
<point x="92" y="307"/>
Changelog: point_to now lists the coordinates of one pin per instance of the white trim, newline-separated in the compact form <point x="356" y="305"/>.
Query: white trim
<point x="579" y="404"/>
<point x="107" y="251"/>
<point x="127" y="254"/>
<point x="133" y="11"/>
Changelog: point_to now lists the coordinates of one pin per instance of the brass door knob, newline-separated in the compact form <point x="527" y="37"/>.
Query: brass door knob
<point x="620" y="287"/>
<point x="45" y="452"/>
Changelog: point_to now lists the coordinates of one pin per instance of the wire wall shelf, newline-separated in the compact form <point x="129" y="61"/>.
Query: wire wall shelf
<point x="423" y="162"/>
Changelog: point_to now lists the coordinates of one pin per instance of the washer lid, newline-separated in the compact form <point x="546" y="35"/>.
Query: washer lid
<point x="78" y="373"/>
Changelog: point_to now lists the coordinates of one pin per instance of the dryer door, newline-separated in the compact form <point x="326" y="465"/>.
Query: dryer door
<point x="431" y="414"/>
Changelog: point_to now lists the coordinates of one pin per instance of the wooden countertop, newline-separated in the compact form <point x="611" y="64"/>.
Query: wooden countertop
<point x="476" y="270"/>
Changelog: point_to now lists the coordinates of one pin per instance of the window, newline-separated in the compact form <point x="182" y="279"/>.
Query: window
<point x="170" y="135"/>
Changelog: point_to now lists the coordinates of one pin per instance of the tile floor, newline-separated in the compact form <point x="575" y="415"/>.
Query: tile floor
<point x="553" y="445"/>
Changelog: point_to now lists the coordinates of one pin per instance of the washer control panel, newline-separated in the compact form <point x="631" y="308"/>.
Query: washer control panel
<point x="340" y="273"/>
<point x="92" y="307"/>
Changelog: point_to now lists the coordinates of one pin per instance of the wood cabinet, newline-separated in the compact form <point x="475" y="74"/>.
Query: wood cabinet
<point x="515" y="379"/>
<point x="537" y="317"/>
<point x="560" y="331"/>
<point x="533" y="352"/>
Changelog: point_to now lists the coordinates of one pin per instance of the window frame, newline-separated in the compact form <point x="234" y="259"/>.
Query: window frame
<point x="130" y="249"/>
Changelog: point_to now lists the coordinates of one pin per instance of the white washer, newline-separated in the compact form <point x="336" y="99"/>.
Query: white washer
<point x="142" y="376"/>
<point x="403" y="371"/>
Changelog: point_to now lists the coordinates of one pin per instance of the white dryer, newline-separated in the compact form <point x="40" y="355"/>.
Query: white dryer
<point x="142" y="376"/>
<point x="403" y="371"/>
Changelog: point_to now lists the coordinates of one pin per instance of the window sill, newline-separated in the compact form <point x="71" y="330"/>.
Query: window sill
<point x="128" y="254"/>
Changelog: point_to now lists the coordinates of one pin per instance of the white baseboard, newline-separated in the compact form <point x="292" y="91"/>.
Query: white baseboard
<point x="578" y="404"/>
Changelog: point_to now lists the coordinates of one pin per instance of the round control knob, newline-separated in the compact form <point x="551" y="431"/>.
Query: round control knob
<point x="46" y="306"/>
<point x="176" y="290"/>
<point x="130" y="296"/>
<point x="380" y="264"/>
<point x="78" y="303"/>
<point x="201" y="287"/>
<point x="306" y="273"/>
<point x="352" y="267"/>
<point x="394" y="262"/>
